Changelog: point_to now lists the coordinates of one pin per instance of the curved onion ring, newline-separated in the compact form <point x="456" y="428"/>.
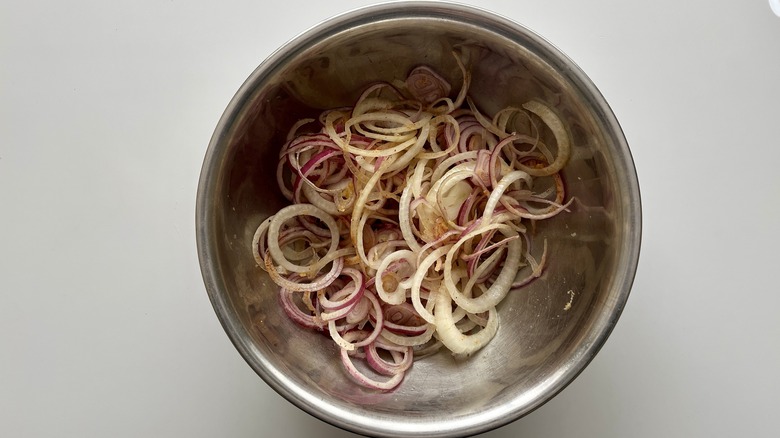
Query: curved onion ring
<point x="291" y="212"/>
<point x="452" y="338"/>
<point x="499" y="288"/>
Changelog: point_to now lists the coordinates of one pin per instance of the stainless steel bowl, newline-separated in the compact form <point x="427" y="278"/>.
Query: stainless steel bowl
<point x="549" y="332"/>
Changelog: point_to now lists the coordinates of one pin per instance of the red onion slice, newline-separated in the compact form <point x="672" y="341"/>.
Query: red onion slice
<point x="296" y="314"/>
<point x="317" y="284"/>
<point x="366" y="381"/>
<point x="291" y="212"/>
<point x="350" y="296"/>
<point x="401" y="361"/>
<point x="398" y="294"/>
<point x="426" y="85"/>
<point x="402" y="319"/>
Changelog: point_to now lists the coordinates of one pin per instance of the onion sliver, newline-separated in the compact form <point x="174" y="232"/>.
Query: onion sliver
<point x="404" y="219"/>
<point x="324" y="281"/>
<point x="500" y="286"/>
<point x="410" y="341"/>
<point x="398" y="295"/>
<point x="422" y="270"/>
<point x="291" y="212"/>
<point x="259" y="237"/>
<point x="498" y="192"/>
<point x="367" y="381"/>
<point x="343" y="343"/>
<point x="402" y="319"/>
<point x="333" y="208"/>
<point x="296" y="314"/>
<point x="452" y="338"/>
<point x="359" y="286"/>
<point x="402" y="360"/>
<point x="559" y="131"/>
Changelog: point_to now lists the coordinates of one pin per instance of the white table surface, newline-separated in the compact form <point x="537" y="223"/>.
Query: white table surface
<point x="106" y="109"/>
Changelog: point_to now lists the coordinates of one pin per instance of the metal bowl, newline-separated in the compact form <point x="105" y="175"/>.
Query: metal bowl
<point x="548" y="332"/>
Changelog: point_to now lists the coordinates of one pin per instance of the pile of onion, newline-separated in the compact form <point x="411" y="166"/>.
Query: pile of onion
<point x="407" y="223"/>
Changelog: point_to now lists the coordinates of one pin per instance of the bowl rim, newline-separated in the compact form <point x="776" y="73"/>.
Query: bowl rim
<point x="205" y="218"/>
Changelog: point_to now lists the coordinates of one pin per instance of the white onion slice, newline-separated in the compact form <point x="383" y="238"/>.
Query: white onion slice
<point x="422" y="271"/>
<point x="291" y="212"/>
<point x="561" y="136"/>
<point x="451" y="336"/>
<point x="500" y="286"/>
<point x="398" y="295"/>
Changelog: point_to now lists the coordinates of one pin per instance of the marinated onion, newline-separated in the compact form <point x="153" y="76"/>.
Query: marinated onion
<point x="407" y="223"/>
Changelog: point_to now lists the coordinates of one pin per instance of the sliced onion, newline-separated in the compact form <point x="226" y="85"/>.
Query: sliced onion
<point x="402" y="319"/>
<point x="318" y="283"/>
<point x="498" y="192"/>
<point x="343" y="343"/>
<point x="422" y="271"/>
<point x="561" y="136"/>
<point x="348" y="296"/>
<point x="401" y="361"/>
<point x="257" y="240"/>
<point x="499" y="288"/>
<point x="426" y="85"/>
<point x="411" y="205"/>
<point x="291" y="212"/>
<point x="367" y="381"/>
<point x="398" y="294"/>
<point x="452" y="338"/>
<point x="296" y="314"/>
<point x="410" y="340"/>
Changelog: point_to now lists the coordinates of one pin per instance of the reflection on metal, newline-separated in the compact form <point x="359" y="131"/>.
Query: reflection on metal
<point x="775" y="5"/>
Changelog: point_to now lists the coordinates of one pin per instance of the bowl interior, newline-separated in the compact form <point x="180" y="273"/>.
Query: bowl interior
<point x="548" y="331"/>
